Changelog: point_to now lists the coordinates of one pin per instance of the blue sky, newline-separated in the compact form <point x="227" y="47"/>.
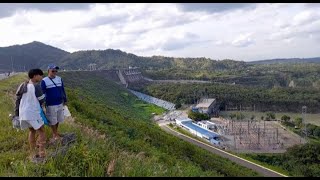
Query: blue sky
<point x="240" y="31"/>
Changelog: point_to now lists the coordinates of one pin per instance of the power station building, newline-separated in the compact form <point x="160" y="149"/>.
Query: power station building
<point x="208" y="106"/>
<point x="197" y="130"/>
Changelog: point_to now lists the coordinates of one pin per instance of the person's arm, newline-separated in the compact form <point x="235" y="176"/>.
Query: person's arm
<point x="19" y="94"/>
<point x="39" y="94"/>
<point x="43" y="88"/>
<point x="64" y="93"/>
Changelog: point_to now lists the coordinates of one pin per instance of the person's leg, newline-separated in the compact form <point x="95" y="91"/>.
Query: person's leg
<point x="51" y="114"/>
<point x="32" y="141"/>
<point x="55" y="131"/>
<point x="60" y="119"/>
<point x="42" y="141"/>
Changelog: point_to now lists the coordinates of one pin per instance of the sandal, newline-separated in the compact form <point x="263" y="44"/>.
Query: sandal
<point x="53" y="141"/>
<point x="37" y="159"/>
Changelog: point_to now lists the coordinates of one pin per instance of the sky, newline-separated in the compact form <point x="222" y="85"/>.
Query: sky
<point x="239" y="31"/>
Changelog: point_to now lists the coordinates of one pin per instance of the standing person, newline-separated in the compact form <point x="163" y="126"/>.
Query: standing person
<point x="52" y="86"/>
<point x="28" y="103"/>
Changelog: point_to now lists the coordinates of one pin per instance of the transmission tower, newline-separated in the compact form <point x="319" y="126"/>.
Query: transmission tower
<point x="304" y="114"/>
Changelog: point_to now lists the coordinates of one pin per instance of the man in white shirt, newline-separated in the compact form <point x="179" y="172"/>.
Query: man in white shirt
<point x="28" y="104"/>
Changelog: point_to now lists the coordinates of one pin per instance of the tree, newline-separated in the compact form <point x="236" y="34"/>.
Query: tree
<point x="298" y="121"/>
<point x="311" y="128"/>
<point x="197" y="116"/>
<point x="232" y="115"/>
<point x="262" y="118"/>
<point x="270" y="115"/>
<point x="285" y="118"/>
<point x="178" y="105"/>
<point x="316" y="132"/>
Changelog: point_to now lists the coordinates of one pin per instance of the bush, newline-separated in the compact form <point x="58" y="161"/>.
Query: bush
<point x="197" y="116"/>
<point x="285" y="118"/>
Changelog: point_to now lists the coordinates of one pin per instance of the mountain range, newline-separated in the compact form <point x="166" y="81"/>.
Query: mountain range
<point x="37" y="54"/>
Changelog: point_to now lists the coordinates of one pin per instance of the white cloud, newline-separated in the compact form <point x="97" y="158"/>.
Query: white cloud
<point x="205" y="30"/>
<point x="304" y="17"/>
<point x="243" y="40"/>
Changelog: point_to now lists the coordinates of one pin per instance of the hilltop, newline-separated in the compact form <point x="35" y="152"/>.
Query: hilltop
<point x="27" y="56"/>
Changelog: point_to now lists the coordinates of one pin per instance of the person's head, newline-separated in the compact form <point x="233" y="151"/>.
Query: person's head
<point x="35" y="75"/>
<point x="52" y="70"/>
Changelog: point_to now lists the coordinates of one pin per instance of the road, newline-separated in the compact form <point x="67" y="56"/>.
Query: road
<point x="5" y="75"/>
<point x="181" y="81"/>
<point x="256" y="167"/>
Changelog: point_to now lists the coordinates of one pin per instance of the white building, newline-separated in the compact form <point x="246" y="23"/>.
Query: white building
<point x="199" y="131"/>
<point x="206" y="124"/>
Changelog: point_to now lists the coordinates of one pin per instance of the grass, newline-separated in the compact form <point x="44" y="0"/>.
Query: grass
<point x="132" y="128"/>
<point x="310" y="118"/>
<point x="137" y="146"/>
<point x="275" y="168"/>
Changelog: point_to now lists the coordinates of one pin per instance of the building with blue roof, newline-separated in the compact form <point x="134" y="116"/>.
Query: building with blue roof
<point x="195" y="129"/>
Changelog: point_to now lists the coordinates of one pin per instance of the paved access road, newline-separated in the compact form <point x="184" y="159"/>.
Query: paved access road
<point x="256" y="167"/>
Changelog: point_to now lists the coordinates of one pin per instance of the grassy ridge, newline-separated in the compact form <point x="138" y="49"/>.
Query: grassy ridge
<point x="138" y="146"/>
<point x="134" y="131"/>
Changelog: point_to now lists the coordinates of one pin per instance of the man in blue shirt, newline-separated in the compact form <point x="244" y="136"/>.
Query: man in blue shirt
<point x="52" y="86"/>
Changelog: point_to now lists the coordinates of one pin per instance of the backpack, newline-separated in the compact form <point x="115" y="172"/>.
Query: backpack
<point x="15" y="121"/>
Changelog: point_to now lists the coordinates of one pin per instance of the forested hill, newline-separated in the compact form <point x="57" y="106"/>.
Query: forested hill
<point x="110" y="59"/>
<point x="37" y="54"/>
<point x="287" y="61"/>
<point x="26" y="56"/>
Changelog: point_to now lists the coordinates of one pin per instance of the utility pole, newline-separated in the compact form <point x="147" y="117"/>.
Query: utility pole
<point x="264" y="128"/>
<point x="11" y="64"/>
<point x="234" y="138"/>
<point x="259" y="136"/>
<point x="277" y="135"/>
<point x="240" y="135"/>
<point x="304" y="112"/>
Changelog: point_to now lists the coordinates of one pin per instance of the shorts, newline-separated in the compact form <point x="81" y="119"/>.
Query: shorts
<point x="35" y="124"/>
<point x="55" y="114"/>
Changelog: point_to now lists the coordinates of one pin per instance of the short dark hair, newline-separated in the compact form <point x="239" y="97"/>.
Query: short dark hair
<point x="34" y="72"/>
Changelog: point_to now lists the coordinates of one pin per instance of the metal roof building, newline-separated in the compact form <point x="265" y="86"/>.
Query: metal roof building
<point x="198" y="131"/>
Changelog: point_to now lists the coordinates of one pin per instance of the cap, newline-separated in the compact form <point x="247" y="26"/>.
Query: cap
<point x="52" y="66"/>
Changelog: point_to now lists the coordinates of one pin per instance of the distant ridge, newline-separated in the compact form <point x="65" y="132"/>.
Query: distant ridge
<point x="38" y="55"/>
<point x="287" y="61"/>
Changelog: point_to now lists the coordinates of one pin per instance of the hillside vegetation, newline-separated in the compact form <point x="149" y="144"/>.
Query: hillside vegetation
<point x="27" y="56"/>
<point x="132" y="141"/>
<point x="299" y="160"/>
<point x="302" y="73"/>
<point x="275" y="99"/>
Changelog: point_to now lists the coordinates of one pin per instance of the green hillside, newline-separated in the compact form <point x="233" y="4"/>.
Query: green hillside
<point x="27" y="56"/>
<point x="277" y="99"/>
<point x="136" y="145"/>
